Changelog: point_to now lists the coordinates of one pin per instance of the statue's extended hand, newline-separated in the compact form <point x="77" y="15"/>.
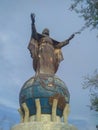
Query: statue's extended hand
<point x="33" y="18"/>
<point x="71" y="37"/>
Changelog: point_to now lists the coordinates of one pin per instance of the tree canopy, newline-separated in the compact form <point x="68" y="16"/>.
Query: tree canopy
<point x="88" y="9"/>
<point x="91" y="82"/>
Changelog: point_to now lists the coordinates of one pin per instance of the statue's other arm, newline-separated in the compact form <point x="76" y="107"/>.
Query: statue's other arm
<point x="64" y="43"/>
<point x="34" y="32"/>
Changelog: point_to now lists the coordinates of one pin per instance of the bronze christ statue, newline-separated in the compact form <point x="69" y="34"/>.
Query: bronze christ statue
<point x="45" y="51"/>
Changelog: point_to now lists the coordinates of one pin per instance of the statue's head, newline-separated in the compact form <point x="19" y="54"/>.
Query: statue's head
<point x="45" y="32"/>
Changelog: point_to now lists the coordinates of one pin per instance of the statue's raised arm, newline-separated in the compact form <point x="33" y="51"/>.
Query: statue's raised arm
<point x="34" y="32"/>
<point x="64" y="43"/>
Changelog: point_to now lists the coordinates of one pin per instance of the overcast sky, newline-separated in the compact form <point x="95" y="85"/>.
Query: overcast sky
<point x="80" y="56"/>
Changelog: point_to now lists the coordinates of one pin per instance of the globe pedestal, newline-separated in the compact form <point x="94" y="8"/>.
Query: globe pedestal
<point x="46" y="88"/>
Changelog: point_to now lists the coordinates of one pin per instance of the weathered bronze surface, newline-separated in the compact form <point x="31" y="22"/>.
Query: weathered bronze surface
<point x="45" y="51"/>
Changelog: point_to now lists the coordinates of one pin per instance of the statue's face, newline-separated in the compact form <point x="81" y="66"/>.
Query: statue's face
<point x="45" y="32"/>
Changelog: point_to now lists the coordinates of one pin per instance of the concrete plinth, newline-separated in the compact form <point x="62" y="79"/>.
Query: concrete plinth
<point x="44" y="126"/>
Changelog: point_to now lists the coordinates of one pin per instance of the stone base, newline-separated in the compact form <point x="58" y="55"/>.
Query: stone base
<point x="44" y="126"/>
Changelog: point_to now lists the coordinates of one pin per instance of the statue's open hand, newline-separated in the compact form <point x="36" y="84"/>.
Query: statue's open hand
<point x="33" y="18"/>
<point x="71" y="37"/>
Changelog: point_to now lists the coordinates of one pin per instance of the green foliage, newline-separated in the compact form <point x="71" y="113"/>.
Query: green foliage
<point x="94" y="101"/>
<point x="91" y="82"/>
<point x="88" y="9"/>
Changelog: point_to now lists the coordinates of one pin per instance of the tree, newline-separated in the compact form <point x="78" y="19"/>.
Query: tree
<point x="91" y="82"/>
<point x="88" y="9"/>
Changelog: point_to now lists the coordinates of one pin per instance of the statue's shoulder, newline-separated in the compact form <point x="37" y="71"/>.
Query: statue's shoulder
<point x="40" y="36"/>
